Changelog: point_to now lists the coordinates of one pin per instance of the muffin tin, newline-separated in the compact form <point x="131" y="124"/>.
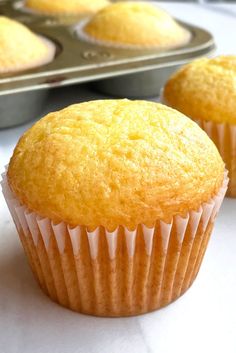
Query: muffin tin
<point x="115" y="71"/>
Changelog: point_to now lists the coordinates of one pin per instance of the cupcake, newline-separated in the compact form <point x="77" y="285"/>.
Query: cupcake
<point x="135" y="24"/>
<point x="21" y="49"/>
<point x="205" y="91"/>
<point x="66" y="7"/>
<point x="114" y="202"/>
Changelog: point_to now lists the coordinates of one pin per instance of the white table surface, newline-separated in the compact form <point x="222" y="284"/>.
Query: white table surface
<point x="203" y="320"/>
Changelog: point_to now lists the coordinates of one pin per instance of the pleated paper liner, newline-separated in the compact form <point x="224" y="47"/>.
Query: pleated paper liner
<point x="224" y="137"/>
<point x="79" y="30"/>
<point x="118" y="273"/>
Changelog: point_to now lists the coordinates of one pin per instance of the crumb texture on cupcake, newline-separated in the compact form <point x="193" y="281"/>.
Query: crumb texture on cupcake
<point x="66" y="6"/>
<point x="205" y="89"/>
<point x="136" y="23"/>
<point x="115" y="162"/>
<point x="20" y="48"/>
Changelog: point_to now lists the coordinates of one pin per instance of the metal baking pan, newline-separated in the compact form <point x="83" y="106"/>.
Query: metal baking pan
<point x="115" y="71"/>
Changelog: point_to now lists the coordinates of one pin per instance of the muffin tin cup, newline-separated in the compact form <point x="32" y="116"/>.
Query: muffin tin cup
<point x="141" y="85"/>
<point x="120" y="273"/>
<point x="21" y="107"/>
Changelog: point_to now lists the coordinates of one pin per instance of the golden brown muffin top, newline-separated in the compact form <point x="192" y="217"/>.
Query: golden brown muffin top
<point x="136" y="23"/>
<point x="115" y="162"/>
<point x="20" y="48"/>
<point x="205" y="89"/>
<point x="71" y="7"/>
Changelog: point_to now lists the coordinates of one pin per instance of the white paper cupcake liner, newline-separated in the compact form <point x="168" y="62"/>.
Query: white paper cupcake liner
<point x="224" y="137"/>
<point x="118" y="273"/>
<point x="79" y="30"/>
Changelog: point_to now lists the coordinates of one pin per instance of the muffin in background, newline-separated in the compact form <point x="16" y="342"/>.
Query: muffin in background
<point x="66" y="7"/>
<point x="114" y="202"/>
<point x="205" y="91"/>
<point x="136" y="24"/>
<point x="21" y="49"/>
